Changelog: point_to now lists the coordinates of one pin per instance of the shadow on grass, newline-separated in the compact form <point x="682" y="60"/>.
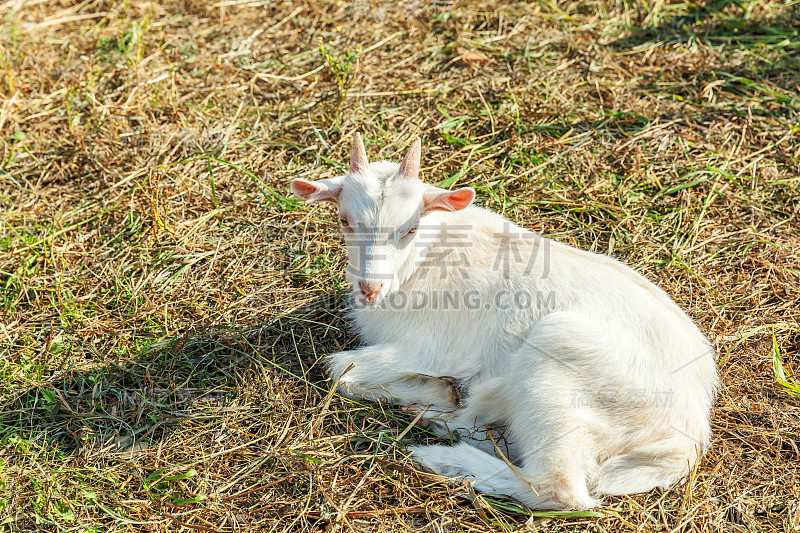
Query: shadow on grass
<point x="194" y="423"/>
<point x="225" y="419"/>
<point x="770" y="40"/>
<point x="131" y="405"/>
<point x="715" y="22"/>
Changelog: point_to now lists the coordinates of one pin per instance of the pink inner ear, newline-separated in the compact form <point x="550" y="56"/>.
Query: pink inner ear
<point x="304" y="189"/>
<point x="448" y="201"/>
<point x="317" y="191"/>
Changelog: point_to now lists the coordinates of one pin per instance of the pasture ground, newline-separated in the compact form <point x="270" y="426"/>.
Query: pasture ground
<point x="165" y="301"/>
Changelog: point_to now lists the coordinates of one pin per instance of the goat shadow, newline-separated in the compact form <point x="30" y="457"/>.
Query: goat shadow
<point x="122" y="408"/>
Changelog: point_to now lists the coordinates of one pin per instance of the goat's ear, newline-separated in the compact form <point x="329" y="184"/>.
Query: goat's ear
<point x="409" y="168"/>
<point x="358" y="155"/>
<point x="318" y="191"/>
<point x="442" y="200"/>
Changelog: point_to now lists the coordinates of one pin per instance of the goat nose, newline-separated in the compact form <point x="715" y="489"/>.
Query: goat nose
<point x="370" y="289"/>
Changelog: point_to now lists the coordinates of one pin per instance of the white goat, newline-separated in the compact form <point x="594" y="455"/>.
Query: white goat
<point x="598" y="381"/>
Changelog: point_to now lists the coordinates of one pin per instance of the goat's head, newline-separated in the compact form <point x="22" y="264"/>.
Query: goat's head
<point x="382" y="210"/>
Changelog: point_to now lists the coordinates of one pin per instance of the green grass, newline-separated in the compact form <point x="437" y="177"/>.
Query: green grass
<point x="164" y="300"/>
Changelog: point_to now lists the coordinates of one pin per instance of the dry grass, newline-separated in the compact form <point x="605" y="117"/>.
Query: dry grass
<point x="164" y="303"/>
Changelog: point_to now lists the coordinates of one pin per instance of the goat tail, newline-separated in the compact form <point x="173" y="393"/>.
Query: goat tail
<point x="658" y="464"/>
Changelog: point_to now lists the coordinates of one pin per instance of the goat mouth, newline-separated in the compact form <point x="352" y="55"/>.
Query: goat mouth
<point x="365" y="302"/>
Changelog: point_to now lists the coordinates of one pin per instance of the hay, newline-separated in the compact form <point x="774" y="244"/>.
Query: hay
<point x="164" y="303"/>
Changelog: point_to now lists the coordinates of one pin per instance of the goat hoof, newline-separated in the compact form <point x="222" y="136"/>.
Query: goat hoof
<point x="453" y="390"/>
<point x="414" y="409"/>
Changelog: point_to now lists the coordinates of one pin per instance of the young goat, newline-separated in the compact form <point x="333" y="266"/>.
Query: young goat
<point x="600" y="383"/>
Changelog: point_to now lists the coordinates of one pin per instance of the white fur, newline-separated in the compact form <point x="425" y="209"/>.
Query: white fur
<point x="599" y="383"/>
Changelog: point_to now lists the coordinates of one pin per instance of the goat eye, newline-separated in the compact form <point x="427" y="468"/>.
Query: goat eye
<point x="343" y="221"/>
<point x="412" y="230"/>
